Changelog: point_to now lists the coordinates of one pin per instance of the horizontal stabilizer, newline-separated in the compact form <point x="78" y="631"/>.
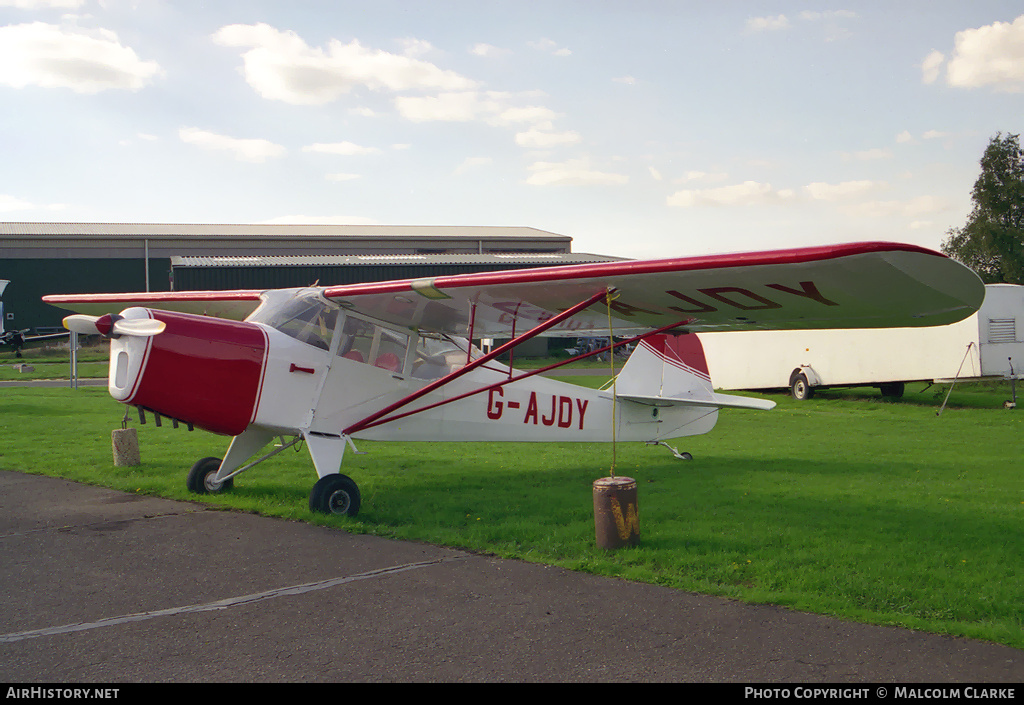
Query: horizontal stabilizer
<point x="718" y="401"/>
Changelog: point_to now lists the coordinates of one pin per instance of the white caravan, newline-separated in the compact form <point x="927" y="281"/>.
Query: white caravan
<point x="986" y="345"/>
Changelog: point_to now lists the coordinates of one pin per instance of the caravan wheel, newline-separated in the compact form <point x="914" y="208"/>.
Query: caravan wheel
<point x="892" y="390"/>
<point x="800" y="388"/>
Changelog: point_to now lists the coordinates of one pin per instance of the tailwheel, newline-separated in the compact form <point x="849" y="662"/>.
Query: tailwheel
<point x="201" y="477"/>
<point x="335" y="494"/>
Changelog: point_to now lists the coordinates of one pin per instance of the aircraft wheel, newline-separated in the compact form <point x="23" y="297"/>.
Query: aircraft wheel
<point x="200" y="477"/>
<point x="335" y="494"/>
<point x="800" y="388"/>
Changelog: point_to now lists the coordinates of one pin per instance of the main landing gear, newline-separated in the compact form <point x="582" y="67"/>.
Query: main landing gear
<point x="335" y="494"/>
<point x="332" y="494"/>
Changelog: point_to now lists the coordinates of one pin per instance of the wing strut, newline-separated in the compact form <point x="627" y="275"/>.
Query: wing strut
<point x="553" y="321"/>
<point x="365" y="424"/>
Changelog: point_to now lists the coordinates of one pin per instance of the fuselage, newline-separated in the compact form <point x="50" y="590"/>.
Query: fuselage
<point x="302" y="365"/>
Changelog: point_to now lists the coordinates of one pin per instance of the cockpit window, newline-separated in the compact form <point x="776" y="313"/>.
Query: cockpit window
<point x="356" y="340"/>
<point x="306" y="318"/>
<point x="438" y="356"/>
<point x="363" y="341"/>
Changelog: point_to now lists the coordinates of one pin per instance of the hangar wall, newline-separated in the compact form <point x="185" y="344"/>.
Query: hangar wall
<point x="69" y="258"/>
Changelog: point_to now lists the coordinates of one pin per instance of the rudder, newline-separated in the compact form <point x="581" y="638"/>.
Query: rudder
<point x="666" y="365"/>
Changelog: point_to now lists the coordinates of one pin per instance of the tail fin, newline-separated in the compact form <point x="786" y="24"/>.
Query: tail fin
<point x="672" y="369"/>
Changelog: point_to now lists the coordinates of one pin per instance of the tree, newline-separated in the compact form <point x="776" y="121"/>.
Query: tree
<point x="992" y="241"/>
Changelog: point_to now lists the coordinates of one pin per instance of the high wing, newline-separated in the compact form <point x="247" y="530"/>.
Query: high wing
<point x="235" y="305"/>
<point x="859" y="285"/>
<point x="862" y="285"/>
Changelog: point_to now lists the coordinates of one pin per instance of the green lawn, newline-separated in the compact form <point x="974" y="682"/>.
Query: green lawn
<point x="54" y="362"/>
<point x="845" y="504"/>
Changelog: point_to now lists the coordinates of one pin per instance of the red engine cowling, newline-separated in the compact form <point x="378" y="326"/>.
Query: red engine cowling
<point x="200" y="370"/>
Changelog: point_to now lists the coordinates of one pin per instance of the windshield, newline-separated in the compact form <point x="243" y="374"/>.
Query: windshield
<point x="305" y="317"/>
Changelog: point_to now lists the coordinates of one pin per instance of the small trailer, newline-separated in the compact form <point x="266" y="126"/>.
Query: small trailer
<point x="986" y="345"/>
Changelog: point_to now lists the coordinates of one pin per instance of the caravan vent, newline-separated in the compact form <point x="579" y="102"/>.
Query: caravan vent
<point x="1002" y="330"/>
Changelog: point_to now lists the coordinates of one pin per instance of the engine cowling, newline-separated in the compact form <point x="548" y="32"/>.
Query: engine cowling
<point x="199" y="370"/>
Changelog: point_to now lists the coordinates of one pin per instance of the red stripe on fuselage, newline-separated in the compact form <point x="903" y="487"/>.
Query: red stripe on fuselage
<point x="205" y="371"/>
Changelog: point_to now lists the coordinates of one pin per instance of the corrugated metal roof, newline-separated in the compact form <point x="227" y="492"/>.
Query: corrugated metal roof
<point x="184" y="230"/>
<point x="370" y="260"/>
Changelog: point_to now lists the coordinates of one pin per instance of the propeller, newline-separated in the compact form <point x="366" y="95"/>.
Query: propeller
<point x="112" y="325"/>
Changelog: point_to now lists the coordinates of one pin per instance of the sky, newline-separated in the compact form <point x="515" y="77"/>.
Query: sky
<point x="641" y="129"/>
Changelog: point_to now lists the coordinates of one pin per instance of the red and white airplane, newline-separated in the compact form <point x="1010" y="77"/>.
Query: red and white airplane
<point x="392" y="360"/>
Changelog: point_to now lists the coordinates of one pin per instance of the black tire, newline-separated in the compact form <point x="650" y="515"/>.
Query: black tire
<point x="892" y="390"/>
<point x="799" y="387"/>
<point x="335" y="494"/>
<point x="200" y="477"/>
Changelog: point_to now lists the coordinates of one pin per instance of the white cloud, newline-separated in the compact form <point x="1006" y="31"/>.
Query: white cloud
<point x="86" y="61"/>
<point x="487" y="50"/>
<point x="821" y="191"/>
<point x="492" y="107"/>
<point x="627" y="80"/>
<point x="705" y="176"/>
<point x="910" y="208"/>
<point x="541" y="139"/>
<point x="829" y="21"/>
<point x="531" y="114"/>
<point x="767" y="24"/>
<point x="549" y="46"/>
<point x="812" y="16"/>
<point x="42" y="4"/>
<point x="10" y="203"/>
<point x="463" y="106"/>
<point x="745" y="194"/>
<point x="905" y="137"/>
<point x="246" y="150"/>
<point x="346" y="149"/>
<point x="416" y="47"/>
<point x="992" y="55"/>
<point x="280" y="65"/>
<point x="343" y="177"/>
<point x="575" y="172"/>
<point x="931" y="66"/>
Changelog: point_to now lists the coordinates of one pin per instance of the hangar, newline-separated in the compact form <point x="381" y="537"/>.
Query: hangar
<point x="68" y="258"/>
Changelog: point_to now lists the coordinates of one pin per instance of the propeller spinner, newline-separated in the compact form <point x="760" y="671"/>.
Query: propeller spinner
<point x="113" y="325"/>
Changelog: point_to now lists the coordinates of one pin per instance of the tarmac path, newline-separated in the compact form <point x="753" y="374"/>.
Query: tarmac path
<point x="105" y="587"/>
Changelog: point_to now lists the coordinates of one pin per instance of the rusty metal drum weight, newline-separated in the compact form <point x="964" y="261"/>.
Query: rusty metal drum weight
<point x="616" y="513"/>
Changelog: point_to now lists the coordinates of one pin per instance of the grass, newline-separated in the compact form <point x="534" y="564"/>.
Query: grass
<point x="846" y="504"/>
<point x="53" y="362"/>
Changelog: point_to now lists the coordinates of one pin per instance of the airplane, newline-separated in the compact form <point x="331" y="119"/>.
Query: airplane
<point x="17" y="340"/>
<point x="330" y="365"/>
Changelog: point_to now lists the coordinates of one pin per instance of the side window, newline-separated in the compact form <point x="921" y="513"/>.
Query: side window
<point x="356" y="340"/>
<point x="390" y="352"/>
<point x="362" y="341"/>
<point x="437" y="356"/>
